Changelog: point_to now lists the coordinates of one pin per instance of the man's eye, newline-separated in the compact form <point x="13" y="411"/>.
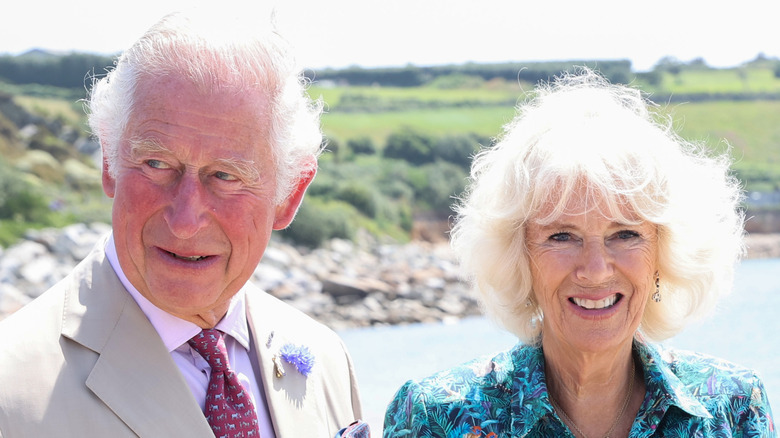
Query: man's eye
<point x="561" y="237"/>
<point x="156" y="164"/>
<point x="225" y="176"/>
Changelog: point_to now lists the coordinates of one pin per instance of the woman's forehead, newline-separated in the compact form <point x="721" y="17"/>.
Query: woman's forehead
<point x="585" y="201"/>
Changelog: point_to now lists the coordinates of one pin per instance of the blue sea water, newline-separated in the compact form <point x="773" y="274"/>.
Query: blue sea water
<point x="745" y="329"/>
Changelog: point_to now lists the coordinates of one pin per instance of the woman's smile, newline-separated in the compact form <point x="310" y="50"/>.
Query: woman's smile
<point x="596" y="304"/>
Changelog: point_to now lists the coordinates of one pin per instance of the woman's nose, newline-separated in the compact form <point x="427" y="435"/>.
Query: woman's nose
<point x="596" y="262"/>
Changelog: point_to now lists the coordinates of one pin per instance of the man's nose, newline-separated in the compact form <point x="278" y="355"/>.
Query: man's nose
<point x="187" y="212"/>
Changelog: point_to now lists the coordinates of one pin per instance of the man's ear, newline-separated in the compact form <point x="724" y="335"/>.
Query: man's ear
<point x="109" y="183"/>
<point x="285" y="212"/>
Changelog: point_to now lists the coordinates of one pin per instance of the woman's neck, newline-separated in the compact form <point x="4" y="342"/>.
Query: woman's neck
<point x="593" y="389"/>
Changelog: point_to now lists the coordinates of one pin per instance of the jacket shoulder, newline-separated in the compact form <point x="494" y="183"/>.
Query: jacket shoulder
<point x="40" y="319"/>
<point x="281" y="318"/>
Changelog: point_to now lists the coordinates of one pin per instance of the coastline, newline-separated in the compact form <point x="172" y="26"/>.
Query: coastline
<point x="763" y="245"/>
<point x="343" y="284"/>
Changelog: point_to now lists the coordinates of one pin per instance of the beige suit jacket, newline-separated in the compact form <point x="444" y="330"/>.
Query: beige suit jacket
<point x="82" y="360"/>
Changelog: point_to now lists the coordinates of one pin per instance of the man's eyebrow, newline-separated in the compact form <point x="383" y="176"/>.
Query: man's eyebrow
<point x="140" y="147"/>
<point x="243" y="169"/>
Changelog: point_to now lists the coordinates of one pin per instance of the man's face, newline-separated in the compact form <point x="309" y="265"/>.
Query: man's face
<point x="193" y="197"/>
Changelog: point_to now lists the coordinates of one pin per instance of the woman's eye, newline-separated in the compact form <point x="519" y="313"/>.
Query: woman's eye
<point x="561" y="237"/>
<point x="627" y="234"/>
<point x="225" y="176"/>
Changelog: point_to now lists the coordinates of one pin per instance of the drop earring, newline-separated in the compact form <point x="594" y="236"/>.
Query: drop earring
<point x="657" y="294"/>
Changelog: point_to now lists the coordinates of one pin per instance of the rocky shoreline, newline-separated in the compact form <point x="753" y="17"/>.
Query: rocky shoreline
<point x="343" y="284"/>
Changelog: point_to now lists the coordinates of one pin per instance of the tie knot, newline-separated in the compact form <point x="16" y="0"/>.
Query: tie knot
<point x="210" y="344"/>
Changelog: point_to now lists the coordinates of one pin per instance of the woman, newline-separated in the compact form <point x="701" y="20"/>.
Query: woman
<point x="591" y="229"/>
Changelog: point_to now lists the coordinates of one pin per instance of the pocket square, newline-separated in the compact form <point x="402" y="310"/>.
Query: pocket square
<point x="358" y="429"/>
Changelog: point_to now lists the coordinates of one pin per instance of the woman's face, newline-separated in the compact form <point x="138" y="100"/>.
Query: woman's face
<point x="591" y="277"/>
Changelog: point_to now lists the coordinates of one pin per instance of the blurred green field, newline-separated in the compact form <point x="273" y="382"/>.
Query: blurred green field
<point x="486" y="121"/>
<point x="492" y="92"/>
<point x="732" y="80"/>
<point x="752" y="128"/>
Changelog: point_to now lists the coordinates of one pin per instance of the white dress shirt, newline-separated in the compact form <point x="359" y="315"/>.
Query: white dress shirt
<point x="175" y="332"/>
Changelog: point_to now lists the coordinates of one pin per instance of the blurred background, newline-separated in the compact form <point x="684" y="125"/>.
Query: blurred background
<point x="412" y="89"/>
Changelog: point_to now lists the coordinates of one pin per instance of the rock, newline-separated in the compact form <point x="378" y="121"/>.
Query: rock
<point x="269" y="277"/>
<point x="276" y="257"/>
<point x="11" y="299"/>
<point x="21" y="254"/>
<point x="343" y="284"/>
<point x="28" y="131"/>
<point x="87" y="146"/>
<point x="39" y="271"/>
<point x="76" y="241"/>
<point x="47" y="237"/>
<point x="344" y="289"/>
<point x="761" y="245"/>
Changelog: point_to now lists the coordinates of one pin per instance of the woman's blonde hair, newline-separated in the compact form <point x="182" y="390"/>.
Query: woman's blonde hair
<point x="581" y="128"/>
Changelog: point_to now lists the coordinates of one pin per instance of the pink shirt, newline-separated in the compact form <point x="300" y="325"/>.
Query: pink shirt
<point x="175" y="332"/>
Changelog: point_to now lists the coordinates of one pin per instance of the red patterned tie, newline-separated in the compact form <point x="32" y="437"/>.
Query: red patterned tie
<point x="229" y="409"/>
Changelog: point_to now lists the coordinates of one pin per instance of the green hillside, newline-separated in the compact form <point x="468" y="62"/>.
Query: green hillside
<point x="399" y="152"/>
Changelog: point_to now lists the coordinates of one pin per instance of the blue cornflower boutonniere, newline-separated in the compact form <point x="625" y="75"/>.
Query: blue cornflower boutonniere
<point x="298" y="356"/>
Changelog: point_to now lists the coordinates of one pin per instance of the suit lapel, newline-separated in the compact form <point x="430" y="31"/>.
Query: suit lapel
<point x="292" y="399"/>
<point x="134" y="374"/>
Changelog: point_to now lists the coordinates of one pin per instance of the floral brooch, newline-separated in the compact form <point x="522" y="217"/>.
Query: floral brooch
<point x="298" y="356"/>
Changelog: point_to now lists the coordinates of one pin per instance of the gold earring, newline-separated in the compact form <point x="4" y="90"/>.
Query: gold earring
<point x="657" y="294"/>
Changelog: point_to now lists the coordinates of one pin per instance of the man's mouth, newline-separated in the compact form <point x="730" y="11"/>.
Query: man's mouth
<point x="187" y="258"/>
<point x="596" y="304"/>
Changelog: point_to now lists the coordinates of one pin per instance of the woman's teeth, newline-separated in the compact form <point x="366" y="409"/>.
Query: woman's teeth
<point x="595" y="304"/>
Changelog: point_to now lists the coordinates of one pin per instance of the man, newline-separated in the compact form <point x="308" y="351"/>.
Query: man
<point x="209" y="144"/>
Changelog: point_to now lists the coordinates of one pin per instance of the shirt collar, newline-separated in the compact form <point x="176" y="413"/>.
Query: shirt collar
<point x="662" y="383"/>
<point x="173" y="330"/>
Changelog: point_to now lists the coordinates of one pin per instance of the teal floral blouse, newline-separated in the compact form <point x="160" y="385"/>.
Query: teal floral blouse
<point x="688" y="395"/>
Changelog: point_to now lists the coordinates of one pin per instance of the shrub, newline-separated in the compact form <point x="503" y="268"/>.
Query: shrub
<point x="457" y="80"/>
<point x="360" y="196"/>
<point x="19" y="200"/>
<point x="339" y="151"/>
<point x="45" y="141"/>
<point x="318" y="221"/>
<point x="442" y="182"/>
<point x="410" y="145"/>
<point x="362" y="145"/>
<point x="458" y="149"/>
